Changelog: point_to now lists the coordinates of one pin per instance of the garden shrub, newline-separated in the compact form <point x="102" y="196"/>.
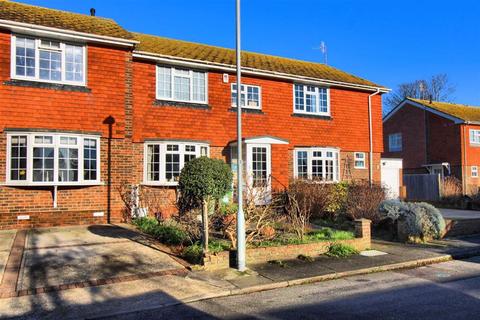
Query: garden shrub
<point x="340" y="250"/>
<point x="193" y="253"/>
<point x="363" y="200"/>
<point x="415" y="221"/>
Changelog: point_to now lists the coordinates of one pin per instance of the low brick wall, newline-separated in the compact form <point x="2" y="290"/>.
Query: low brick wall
<point x="226" y="259"/>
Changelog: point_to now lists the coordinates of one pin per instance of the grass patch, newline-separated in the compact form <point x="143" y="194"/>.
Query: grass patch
<point x="340" y="250"/>
<point x="324" y="234"/>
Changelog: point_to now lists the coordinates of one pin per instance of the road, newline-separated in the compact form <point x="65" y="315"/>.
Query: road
<point x="448" y="290"/>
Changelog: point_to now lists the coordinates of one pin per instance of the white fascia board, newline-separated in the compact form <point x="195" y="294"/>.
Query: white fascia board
<point x="251" y="71"/>
<point x="32" y="29"/>
<point x="423" y="107"/>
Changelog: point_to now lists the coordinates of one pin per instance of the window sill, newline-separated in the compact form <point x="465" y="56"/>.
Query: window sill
<point x="47" y="85"/>
<point x="86" y="184"/>
<point x="312" y="116"/>
<point x="179" y="104"/>
<point x="247" y="110"/>
<point x="160" y="184"/>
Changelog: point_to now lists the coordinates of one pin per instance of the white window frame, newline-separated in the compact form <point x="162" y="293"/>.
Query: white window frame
<point x="163" y="151"/>
<point x="474" y="171"/>
<point x="245" y="92"/>
<point x="56" y="145"/>
<point x="317" y="94"/>
<point x="172" y="89"/>
<point x="474" y="136"/>
<point x="36" y="78"/>
<point x="310" y="151"/>
<point x="398" y="139"/>
<point x="362" y="159"/>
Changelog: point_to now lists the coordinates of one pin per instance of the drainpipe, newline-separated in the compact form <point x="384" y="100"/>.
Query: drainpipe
<point x="370" y="136"/>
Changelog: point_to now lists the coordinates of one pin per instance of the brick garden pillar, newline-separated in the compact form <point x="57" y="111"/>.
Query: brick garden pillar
<point x="363" y="228"/>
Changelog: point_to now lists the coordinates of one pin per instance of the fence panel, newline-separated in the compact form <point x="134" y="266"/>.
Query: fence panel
<point x="422" y="187"/>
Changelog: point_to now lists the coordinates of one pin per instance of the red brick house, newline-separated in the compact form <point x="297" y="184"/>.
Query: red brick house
<point x="87" y="106"/>
<point x="435" y="137"/>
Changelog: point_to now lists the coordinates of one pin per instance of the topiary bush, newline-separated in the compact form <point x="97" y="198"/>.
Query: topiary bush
<point x="202" y="182"/>
<point x="415" y="221"/>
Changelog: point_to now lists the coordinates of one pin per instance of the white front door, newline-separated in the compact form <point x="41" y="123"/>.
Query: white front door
<point x="259" y="171"/>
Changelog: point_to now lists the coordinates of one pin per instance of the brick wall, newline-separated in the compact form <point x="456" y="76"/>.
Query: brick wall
<point x="224" y="259"/>
<point x="31" y="107"/>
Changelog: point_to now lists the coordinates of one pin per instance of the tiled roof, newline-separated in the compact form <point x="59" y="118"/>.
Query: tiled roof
<point x="460" y="111"/>
<point x="19" y="12"/>
<point x="202" y="52"/>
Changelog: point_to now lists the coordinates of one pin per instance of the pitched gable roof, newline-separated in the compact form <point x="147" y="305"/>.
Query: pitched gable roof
<point x="189" y="50"/>
<point x="23" y="13"/>
<point x="460" y="112"/>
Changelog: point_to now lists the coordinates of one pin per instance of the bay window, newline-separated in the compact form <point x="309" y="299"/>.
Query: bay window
<point x="311" y="100"/>
<point x="320" y="164"/>
<point x="52" y="159"/>
<point x="165" y="160"/>
<point x="184" y="85"/>
<point x="47" y="60"/>
<point x="250" y="96"/>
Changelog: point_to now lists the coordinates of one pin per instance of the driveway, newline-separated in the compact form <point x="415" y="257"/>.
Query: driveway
<point x="68" y="257"/>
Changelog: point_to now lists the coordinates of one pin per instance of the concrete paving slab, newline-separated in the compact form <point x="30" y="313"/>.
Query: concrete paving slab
<point x="64" y="265"/>
<point x="6" y="240"/>
<point x="93" y="302"/>
<point x="292" y="269"/>
<point x="77" y="235"/>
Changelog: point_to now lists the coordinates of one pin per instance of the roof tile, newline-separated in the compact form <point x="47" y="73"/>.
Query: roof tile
<point x="461" y="111"/>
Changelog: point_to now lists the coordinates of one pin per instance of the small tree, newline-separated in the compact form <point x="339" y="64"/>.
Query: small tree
<point x="203" y="180"/>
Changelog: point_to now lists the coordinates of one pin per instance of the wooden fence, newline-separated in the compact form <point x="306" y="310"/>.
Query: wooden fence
<point x="422" y="187"/>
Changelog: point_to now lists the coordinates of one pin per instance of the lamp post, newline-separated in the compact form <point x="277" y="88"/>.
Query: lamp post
<point x="240" y="215"/>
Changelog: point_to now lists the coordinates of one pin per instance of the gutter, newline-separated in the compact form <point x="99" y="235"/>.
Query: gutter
<point x="251" y="71"/>
<point x="370" y="136"/>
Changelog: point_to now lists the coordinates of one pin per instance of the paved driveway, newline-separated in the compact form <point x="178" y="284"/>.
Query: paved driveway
<point x="69" y="257"/>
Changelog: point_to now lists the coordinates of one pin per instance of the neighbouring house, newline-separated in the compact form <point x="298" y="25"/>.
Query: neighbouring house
<point x="87" y="106"/>
<point x="437" y="138"/>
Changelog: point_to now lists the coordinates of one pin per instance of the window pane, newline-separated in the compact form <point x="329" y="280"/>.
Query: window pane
<point x="50" y="65"/>
<point x="67" y="164"/>
<point x="181" y="82"/>
<point x="18" y="158"/>
<point x="43" y="164"/>
<point x="90" y="159"/>
<point x="153" y="163"/>
<point x="73" y="63"/>
<point x="302" y="164"/>
<point x="259" y="166"/>
<point x="322" y="100"/>
<point x="199" y="86"/>
<point x="299" y="98"/>
<point x="164" y="82"/>
<point x="25" y="57"/>
<point x="172" y="167"/>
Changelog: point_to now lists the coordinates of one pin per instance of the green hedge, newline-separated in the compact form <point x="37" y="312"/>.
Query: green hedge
<point x="165" y="232"/>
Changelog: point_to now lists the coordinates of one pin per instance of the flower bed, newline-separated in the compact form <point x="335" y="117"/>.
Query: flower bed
<point x="225" y="259"/>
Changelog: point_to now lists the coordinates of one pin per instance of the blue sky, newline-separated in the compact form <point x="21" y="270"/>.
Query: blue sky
<point x="388" y="42"/>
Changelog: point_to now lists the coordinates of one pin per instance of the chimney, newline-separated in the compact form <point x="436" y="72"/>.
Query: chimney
<point x="92" y="12"/>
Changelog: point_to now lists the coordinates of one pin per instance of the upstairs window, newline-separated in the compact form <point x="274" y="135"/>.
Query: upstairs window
<point x="47" y="60"/>
<point x="311" y="100"/>
<point x="321" y="164"/>
<point x="250" y="96"/>
<point x="165" y="160"/>
<point x="181" y="85"/>
<point x="359" y="160"/>
<point x="474" y="136"/>
<point x="52" y="159"/>
<point x="395" y="142"/>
